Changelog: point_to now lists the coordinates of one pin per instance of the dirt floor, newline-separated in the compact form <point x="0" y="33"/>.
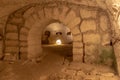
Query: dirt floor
<point x="51" y="63"/>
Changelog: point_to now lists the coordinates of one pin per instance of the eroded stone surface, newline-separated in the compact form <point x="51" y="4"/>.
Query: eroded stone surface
<point x="103" y="23"/>
<point x="11" y="28"/>
<point x="75" y="30"/>
<point x="68" y="16"/>
<point x="92" y="38"/>
<point x="77" y="37"/>
<point x="88" y="25"/>
<point x="87" y="13"/>
<point x="12" y="36"/>
<point x="77" y="44"/>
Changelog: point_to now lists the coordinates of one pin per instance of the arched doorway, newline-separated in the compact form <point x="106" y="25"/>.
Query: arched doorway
<point x="57" y="42"/>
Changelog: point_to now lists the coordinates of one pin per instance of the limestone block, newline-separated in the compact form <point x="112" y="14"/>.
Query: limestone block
<point x="16" y="20"/>
<point x="84" y="2"/>
<point x="23" y="49"/>
<point x="23" y="56"/>
<point x="10" y="57"/>
<point x="117" y="50"/>
<point x="28" y="13"/>
<point x="75" y="30"/>
<point x="41" y="14"/>
<point x="105" y="39"/>
<point x="12" y="36"/>
<point x="11" y="43"/>
<point x="1" y="49"/>
<point x="77" y="38"/>
<point x="78" y="51"/>
<point x="104" y="23"/>
<point x="56" y="13"/>
<point x="77" y="44"/>
<point x="35" y="17"/>
<point x="90" y="58"/>
<point x="11" y="28"/>
<point x="87" y="13"/>
<point x="88" y="25"/>
<point x="23" y="37"/>
<point x="118" y="66"/>
<point x="74" y="22"/>
<point x="117" y="55"/>
<point x="34" y="51"/>
<point x="29" y="22"/>
<point x="24" y="31"/>
<point x="69" y="17"/>
<point x="90" y="49"/>
<point x="23" y="44"/>
<point x="77" y="58"/>
<point x="63" y="13"/>
<point x="92" y="38"/>
<point x="11" y="49"/>
<point x="48" y="12"/>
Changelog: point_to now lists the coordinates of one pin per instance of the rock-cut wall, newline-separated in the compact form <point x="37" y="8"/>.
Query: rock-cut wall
<point x="89" y="21"/>
<point x="90" y="26"/>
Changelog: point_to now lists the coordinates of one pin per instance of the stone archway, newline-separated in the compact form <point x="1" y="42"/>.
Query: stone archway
<point x="84" y="22"/>
<point x="41" y="20"/>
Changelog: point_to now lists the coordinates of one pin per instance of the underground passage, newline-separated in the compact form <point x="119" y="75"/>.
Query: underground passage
<point x="59" y="40"/>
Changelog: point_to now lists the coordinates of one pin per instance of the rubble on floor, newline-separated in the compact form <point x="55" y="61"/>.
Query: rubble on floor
<point x="83" y="72"/>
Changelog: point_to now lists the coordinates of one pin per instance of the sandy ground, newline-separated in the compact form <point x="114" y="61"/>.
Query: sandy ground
<point x="51" y="63"/>
<point x="20" y="70"/>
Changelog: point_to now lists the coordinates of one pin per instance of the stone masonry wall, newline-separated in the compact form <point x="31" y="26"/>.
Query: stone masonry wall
<point x="89" y="26"/>
<point x="85" y="18"/>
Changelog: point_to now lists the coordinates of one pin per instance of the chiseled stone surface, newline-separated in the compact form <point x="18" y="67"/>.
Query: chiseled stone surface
<point x="24" y="31"/>
<point x="74" y="22"/>
<point x="11" y="49"/>
<point x="12" y="36"/>
<point x="103" y="22"/>
<point x="70" y="16"/>
<point x="88" y="25"/>
<point x="23" y="44"/>
<point x="63" y="13"/>
<point x="11" y="43"/>
<point x="77" y="51"/>
<point x="77" y="37"/>
<point x="86" y="20"/>
<point x="105" y="39"/>
<point x="23" y="37"/>
<point x="92" y="38"/>
<point x="48" y="12"/>
<point x="75" y="30"/>
<point x="56" y="13"/>
<point x="29" y="22"/>
<point x="23" y="49"/>
<point x="77" y="57"/>
<point x="90" y="49"/>
<point x="77" y="44"/>
<point x="11" y="28"/>
<point x="87" y="13"/>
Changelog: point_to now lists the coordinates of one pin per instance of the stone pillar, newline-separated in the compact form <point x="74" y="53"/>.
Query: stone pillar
<point x="117" y="55"/>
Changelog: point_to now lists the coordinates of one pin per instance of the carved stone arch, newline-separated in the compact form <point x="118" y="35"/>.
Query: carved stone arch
<point x="36" y="17"/>
<point x="39" y="21"/>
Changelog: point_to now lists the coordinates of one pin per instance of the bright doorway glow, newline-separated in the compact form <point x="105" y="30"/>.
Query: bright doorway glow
<point x="58" y="42"/>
